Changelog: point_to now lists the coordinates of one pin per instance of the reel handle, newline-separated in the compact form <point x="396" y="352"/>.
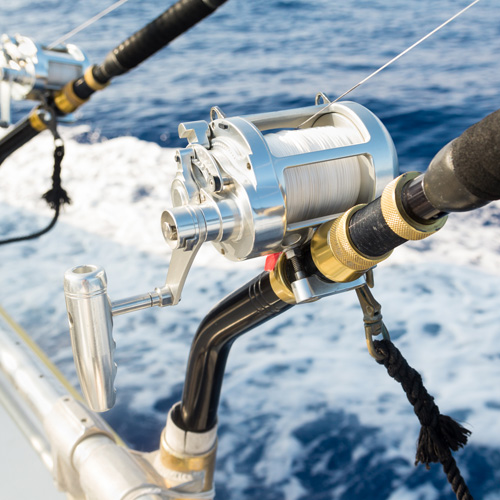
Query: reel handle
<point x="91" y="329"/>
<point x="90" y="316"/>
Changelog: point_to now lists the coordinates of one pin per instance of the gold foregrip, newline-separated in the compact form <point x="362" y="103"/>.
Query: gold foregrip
<point x="334" y="254"/>
<point x="66" y="100"/>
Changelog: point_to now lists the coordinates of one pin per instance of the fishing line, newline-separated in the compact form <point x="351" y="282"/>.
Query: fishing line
<point x="318" y="189"/>
<point x="394" y="59"/>
<point x="87" y="23"/>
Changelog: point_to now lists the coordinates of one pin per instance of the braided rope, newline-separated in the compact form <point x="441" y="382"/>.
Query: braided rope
<point x="439" y="433"/>
<point x="56" y="196"/>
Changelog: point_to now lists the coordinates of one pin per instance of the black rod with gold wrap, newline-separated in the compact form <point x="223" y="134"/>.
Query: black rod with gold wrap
<point x="344" y="249"/>
<point x="177" y="19"/>
<point x="139" y="46"/>
<point x="22" y="133"/>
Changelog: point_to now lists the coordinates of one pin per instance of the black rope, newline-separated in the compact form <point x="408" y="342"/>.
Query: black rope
<point x="33" y="235"/>
<point x="439" y="434"/>
<point x="56" y="196"/>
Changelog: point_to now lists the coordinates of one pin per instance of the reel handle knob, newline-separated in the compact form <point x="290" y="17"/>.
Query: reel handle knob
<point x="91" y="328"/>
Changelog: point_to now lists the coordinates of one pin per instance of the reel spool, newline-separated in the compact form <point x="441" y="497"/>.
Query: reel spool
<point x="28" y="69"/>
<point x="259" y="184"/>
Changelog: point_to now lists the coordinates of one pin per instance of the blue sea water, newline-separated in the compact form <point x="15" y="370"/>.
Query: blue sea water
<point x="265" y="55"/>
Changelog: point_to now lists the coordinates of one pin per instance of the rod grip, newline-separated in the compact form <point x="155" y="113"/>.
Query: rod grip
<point x="176" y="20"/>
<point x="476" y="158"/>
<point x="464" y="174"/>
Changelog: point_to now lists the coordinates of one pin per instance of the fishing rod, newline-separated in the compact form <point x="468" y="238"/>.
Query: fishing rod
<point x="62" y="76"/>
<point x="59" y="76"/>
<point x="321" y="198"/>
<point x="318" y="257"/>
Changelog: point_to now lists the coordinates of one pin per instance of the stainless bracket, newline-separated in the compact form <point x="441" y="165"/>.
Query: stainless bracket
<point x="196" y="132"/>
<point x="309" y="288"/>
<point x="313" y="288"/>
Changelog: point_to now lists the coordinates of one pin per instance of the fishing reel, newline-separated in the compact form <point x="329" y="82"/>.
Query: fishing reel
<point x="32" y="71"/>
<point x="252" y="185"/>
<point x="260" y="184"/>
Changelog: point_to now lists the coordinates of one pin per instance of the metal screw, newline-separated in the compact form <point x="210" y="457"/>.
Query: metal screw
<point x="298" y="268"/>
<point x="170" y="232"/>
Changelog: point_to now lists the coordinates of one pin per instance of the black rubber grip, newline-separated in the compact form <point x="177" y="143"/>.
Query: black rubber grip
<point x="22" y="133"/>
<point x="370" y="233"/>
<point x="476" y="158"/>
<point x="138" y="47"/>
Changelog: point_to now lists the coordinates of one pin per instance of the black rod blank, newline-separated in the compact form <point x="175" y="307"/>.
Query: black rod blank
<point x="22" y="133"/>
<point x="176" y="20"/>
<point x="244" y="309"/>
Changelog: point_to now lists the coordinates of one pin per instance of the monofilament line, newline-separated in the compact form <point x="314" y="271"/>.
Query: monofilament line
<point x="394" y="59"/>
<point x="407" y="50"/>
<point x="87" y="23"/>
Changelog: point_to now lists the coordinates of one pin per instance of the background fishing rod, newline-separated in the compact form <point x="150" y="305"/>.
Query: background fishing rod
<point x="176" y="20"/>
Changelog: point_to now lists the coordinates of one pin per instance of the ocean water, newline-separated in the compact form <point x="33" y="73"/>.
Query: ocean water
<point x="305" y="413"/>
<point x="266" y="55"/>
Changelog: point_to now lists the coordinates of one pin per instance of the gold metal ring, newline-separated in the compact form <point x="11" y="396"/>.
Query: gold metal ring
<point x="36" y="122"/>
<point x="91" y="81"/>
<point x="279" y="282"/>
<point x="396" y="217"/>
<point x="66" y="100"/>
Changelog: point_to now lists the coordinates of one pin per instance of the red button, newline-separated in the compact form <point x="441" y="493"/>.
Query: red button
<point x="271" y="261"/>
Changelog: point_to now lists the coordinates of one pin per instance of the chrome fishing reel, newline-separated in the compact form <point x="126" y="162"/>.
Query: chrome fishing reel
<point x="29" y="70"/>
<point x="252" y="186"/>
<point x="260" y="184"/>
